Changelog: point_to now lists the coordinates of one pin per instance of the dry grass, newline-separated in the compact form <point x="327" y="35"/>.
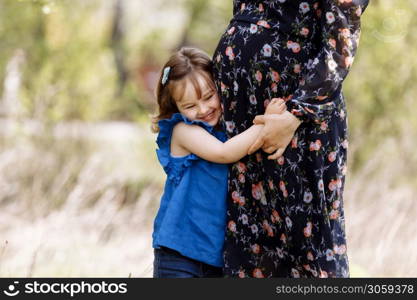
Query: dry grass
<point x="80" y="200"/>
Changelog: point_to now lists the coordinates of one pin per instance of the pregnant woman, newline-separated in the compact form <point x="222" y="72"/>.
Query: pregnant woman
<point x="285" y="209"/>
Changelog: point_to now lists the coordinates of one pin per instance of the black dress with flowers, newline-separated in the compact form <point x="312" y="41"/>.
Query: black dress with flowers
<point x="285" y="216"/>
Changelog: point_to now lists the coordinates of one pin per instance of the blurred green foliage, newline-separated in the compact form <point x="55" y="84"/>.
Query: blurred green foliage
<point x="76" y="54"/>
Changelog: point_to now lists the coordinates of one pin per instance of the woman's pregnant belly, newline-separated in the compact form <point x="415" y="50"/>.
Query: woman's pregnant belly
<point x="253" y="64"/>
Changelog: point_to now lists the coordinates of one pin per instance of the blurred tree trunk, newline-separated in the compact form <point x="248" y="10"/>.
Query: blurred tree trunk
<point x="117" y="38"/>
<point x="195" y="9"/>
<point x="10" y="105"/>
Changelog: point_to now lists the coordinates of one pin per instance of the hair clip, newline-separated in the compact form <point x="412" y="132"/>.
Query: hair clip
<point x="165" y="75"/>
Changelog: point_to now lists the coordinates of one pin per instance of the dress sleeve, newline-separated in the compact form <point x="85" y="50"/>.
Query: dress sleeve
<point x="324" y="74"/>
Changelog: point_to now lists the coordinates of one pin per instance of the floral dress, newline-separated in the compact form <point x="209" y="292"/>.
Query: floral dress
<point x="285" y="217"/>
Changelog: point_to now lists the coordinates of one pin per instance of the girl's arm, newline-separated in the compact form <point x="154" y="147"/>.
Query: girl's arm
<point x="198" y="141"/>
<point x="195" y="139"/>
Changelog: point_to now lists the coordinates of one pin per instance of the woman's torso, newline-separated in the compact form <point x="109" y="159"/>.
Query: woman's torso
<point x="265" y="49"/>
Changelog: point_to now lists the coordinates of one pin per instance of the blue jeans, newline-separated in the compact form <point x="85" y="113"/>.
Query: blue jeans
<point x="169" y="263"/>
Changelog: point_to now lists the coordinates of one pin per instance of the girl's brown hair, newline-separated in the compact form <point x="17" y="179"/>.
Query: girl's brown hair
<point x="187" y="62"/>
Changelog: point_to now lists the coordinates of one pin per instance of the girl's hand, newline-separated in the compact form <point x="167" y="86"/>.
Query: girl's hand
<point x="277" y="133"/>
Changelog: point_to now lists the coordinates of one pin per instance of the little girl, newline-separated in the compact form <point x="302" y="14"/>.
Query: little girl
<point x="190" y="226"/>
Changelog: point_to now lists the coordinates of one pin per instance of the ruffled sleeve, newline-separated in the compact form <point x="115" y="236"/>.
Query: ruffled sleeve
<point x="340" y="25"/>
<point x="174" y="167"/>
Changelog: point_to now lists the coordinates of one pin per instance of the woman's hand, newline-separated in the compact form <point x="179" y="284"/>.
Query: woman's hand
<point x="277" y="133"/>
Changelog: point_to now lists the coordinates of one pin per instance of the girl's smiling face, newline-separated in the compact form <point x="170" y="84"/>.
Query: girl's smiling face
<point x="198" y="99"/>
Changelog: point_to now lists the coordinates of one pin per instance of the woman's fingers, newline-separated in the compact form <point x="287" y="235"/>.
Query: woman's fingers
<point x="282" y="108"/>
<point x="270" y="149"/>
<point x="255" y="146"/>
<point x="277" y="100"/>
<point x="277" y="154"/>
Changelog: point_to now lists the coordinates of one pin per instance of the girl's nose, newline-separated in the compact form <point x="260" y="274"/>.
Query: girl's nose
<point x="203" y="109"/>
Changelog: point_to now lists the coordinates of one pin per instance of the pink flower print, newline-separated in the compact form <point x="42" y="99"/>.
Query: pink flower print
<point x="254" y="228"/>
<point x="297" y="68"/>
<point x="230" y="126"/>
<point x="267" y="50"/>
<point x="275" y="216"/>
<point x="261" y="7"/>
<point x="229" y="53"/>
<point x="308" y="196"/>
<point x="294" y="142"/>
<point x="329" y="255"/>
<point x="345" y="144"/>
<point x="332" y="156"/>
<point x="340" y="250"/>
<point x="257" y="191"/>
<point x="258" y="76"/>
<point x="252" y="98"/>
<point x="359" y="11"/>
<point x="256" y="249"/>
<point x="332" y="185"/>
<point x="235" y="196"/>
<point x="336" y="204"/>
<point x="241" y="167"/>
<point x="231" y="226"/>
<point x="321" y="185"/>
<point x="315" y="146"/>
<point x="267" y="228"/>
<point x="238" y="198"/>
<point x="283" y="189"/>
<point x="244" y="219"/>
<point x="281" y="160"/>
<point x="223" y="87"/>
<point x="332" y="42"/>
<point x="257" y="273"/>
<point x="241" y="178"/>
<point x="295" y="273"/>
<point x="283" y="238"/>
<point x="242" y="274"/>
<point x="348" y="61"/>
<point x="330" y="17"/>
<point x="339" y="182"/>
<point x="253" y="28"/>
<point x="294" y="46"/>
<point x="304" y="7"/>
<point x="304" y="31"/>
<point x="275" y="76"/>
<point x="334" y="214"/>
<point x="263" y="24"/>
<point x="345" y="33"/>
<point x="323" y="126"/>
<point x="310" y="256"/>
<point x="323" y="274"/>
<point x="242" y="7"/>
<point x="231" y="30"/>
<point x="307" y="229"/>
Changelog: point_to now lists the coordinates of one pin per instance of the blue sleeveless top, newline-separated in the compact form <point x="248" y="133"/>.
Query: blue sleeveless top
<point x="192" y="214"/>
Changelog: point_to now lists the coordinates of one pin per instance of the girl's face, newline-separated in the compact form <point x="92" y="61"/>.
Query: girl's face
<point x="206" y="108"/>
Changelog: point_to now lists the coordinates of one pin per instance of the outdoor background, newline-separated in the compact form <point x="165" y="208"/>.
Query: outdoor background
<point x="79" y="180"/>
